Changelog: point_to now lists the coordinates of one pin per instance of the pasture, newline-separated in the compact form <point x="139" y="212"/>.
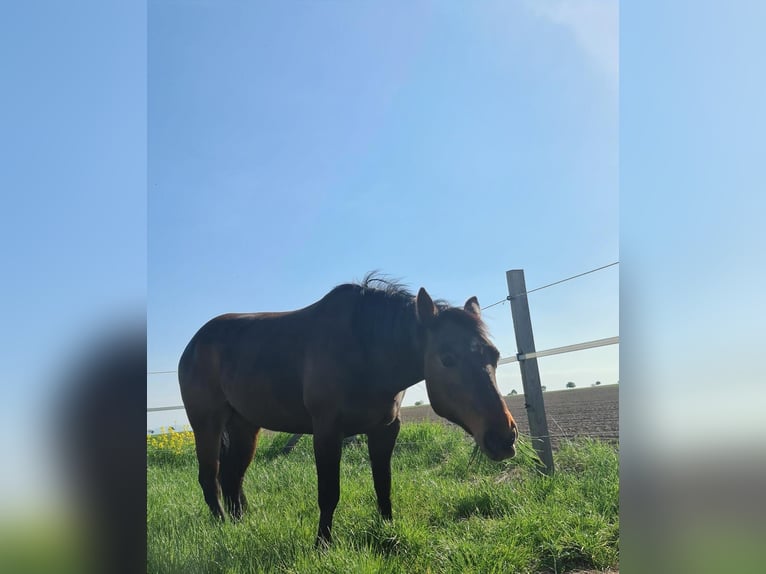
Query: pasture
<point x="452" y="513"/>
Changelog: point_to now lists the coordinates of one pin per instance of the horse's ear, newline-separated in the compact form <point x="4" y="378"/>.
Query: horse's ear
<point x="472" y="307"/>
<point x="424" y="307"/>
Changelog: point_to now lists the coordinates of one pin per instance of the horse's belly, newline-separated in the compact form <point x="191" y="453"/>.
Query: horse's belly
<point x="272" y="404"/>
<point x="361" y="417"/>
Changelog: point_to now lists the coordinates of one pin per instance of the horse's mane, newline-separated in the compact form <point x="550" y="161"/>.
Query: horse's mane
<point x="376" y="282"/>
<point x="384" y="314"/>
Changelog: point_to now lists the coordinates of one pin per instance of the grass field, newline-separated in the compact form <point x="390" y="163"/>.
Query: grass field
<point x="451" y="514"/>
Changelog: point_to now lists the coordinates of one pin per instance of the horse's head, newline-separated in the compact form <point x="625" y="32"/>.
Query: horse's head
<point x="459" y="367"/>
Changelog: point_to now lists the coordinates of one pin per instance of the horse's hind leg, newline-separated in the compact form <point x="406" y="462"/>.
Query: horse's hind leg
<point x="237" y="450"/>
<point x="207" y="437"/>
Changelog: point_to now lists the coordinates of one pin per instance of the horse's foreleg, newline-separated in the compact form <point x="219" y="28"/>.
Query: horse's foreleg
<point x="380" y="443"/>
<point x="327" y="450"/>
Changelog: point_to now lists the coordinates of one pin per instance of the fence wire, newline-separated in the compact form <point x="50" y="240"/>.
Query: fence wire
<point x="509" y="297"/>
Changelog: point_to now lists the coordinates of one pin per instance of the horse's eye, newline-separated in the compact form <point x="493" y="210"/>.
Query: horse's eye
<point x="448" y="360"/>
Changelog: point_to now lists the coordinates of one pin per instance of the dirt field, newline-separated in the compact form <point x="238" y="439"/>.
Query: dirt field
<point x="591" y="412"/>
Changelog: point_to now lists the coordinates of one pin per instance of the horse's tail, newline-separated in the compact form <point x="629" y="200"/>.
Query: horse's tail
<point x="235" y="453"/>
<point x="237" y="441"/>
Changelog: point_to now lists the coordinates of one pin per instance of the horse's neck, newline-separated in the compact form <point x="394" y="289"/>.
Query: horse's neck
<point x="413" y="367"/>
<point x="395" y="355"/>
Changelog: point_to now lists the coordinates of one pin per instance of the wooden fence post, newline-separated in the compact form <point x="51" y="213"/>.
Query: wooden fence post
<point x="530" y="374"/>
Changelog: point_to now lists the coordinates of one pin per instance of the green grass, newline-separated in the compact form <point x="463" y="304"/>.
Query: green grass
<point x="451" y="513"/>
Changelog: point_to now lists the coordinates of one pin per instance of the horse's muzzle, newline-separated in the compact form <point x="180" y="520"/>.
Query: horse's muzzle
<point x="499" y="447"/>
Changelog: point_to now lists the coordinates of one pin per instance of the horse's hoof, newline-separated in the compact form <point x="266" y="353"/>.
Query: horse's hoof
<point x="322" y="543"/>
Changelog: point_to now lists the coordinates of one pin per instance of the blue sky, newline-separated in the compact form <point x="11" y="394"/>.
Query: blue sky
<point x="293" y="147"/>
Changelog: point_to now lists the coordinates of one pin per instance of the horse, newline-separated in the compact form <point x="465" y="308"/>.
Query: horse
<point x="337" y="368"/>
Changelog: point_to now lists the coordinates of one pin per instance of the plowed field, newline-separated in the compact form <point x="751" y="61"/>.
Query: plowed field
<point x="588" y="412"/>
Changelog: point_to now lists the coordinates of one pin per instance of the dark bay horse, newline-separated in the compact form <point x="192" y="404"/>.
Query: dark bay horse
<point x="334" y="369"/>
